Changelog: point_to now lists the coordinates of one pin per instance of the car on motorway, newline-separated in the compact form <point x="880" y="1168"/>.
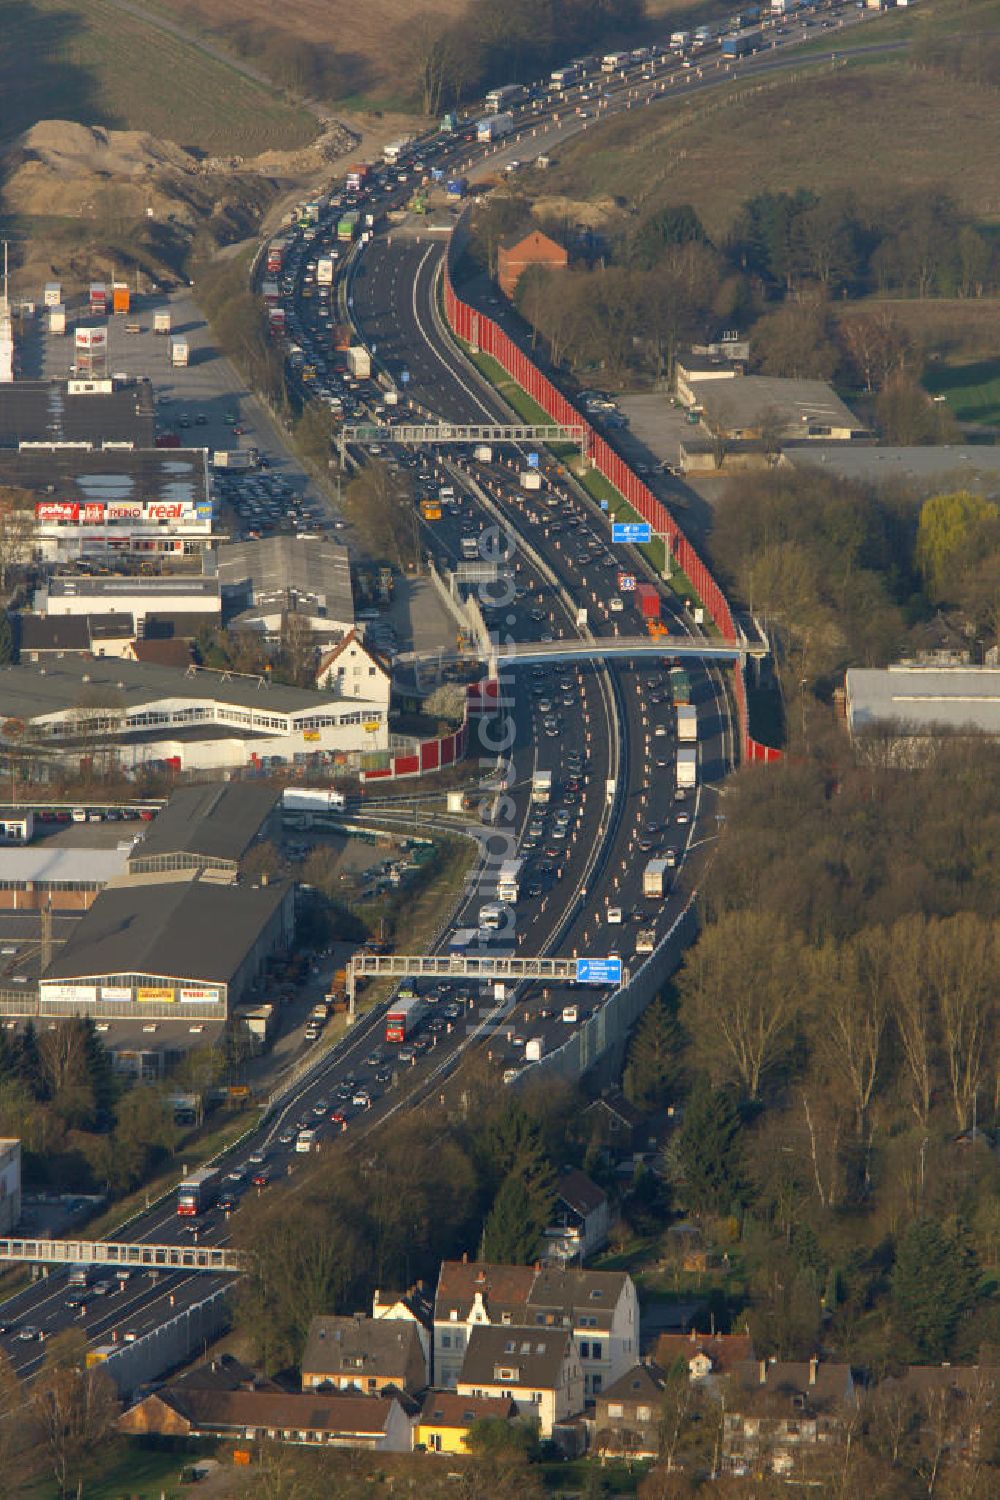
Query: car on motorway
<point x="236" y="1174"/>
<point x="228" y="1203"/>
<point x="614" y="916"/>
<point x="682" y="818"/>
<point x="29" y="1333"/>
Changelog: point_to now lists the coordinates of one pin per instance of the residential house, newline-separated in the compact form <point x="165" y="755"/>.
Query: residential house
<point x="579" y="1226"/>
<point x="627" y="1418"/>
<point x="536" y="1368"/>
<point x="951" y="1403"/>
<point x="599" y="1308"/>
<point x="377" y="1423"/>
<point x="533" y="249"/>
<point x="783" y="1412"/>
<point x="413" y="1307"/>
<point x="446" y="1418"/>
<point x="47" y="637"/>
<point x="226" y="1399"/>
<point x="352" y="669"/>
<point x="364" y="1354"/>
<point x="617" y="1123"/>
<point x="705" y="1354"/>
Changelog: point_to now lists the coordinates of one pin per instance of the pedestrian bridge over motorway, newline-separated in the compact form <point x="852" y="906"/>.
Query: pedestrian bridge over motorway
<point x="495" y="968"/>
<point x="138" y="1257"/>
<point x="602" y="648"/>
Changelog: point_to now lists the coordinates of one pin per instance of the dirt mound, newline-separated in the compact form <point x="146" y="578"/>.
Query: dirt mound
<point x="60" y="168"/>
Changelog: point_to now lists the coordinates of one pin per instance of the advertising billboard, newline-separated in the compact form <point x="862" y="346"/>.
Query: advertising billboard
<point x="124" y="510"/>
<point x="70" y="994"/>
<point x="155" y="994"/>
<point x="115" y="992"/>
<point x="194" y="994"/>
<point x="57" y="510"/>
<point x="94" y="340"/>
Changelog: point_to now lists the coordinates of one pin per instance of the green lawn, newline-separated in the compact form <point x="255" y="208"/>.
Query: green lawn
<point x="128" y="1468"/>
<point x="972" y="391"/>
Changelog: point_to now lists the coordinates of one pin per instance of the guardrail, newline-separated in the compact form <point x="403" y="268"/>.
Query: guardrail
<point x="484" y="335"/>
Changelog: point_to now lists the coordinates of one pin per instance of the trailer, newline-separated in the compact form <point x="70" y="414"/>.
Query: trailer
<point x="461" y="940"/>
<point x="396" y="149"/>
<point x="687" y="765"/>
<point x="509" y="881"/>
<point x="161" y="322"/>
<point x="742" y="44"/>
<point x="680" y="685"/>
<point x="359" y="362"/>
<point x="324" y="271"/>
<point x="179" y="353"/>
<point x="57" y="319"/>
<point x="347" y="226"/>
<point x="655" y="879"/>
<point x="457" y="187"/>
<point x="403" y="1018"/>
<point x="198" y="1192"/>
<point x="534" y="1049"/>
<point x="357" y="176"/>
<point x="647" y="598"/>
<point x="541" y="788"/>
<point x="234" y="460"/>
<point x="494" y="127"/>
<point x="276" y="256"/>
<point x="530" y="479"/>
<point x="687" y="723"/>
<point x="121" y="301"/>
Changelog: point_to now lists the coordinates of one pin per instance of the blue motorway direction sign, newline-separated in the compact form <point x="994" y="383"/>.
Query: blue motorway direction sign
<point x="598" y="971"/>
<point x="631" y="531"/>
<point x="533" y="460"/>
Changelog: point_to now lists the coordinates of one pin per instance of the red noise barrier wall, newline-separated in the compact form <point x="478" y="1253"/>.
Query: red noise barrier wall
<point x="481" y="331"/>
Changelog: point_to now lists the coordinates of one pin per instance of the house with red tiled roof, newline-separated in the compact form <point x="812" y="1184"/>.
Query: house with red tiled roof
<point x="704" y="1353"/>
<point x="532" y="249"/>
<point x="351" y="669"/>
<point x="599" y="1308"/>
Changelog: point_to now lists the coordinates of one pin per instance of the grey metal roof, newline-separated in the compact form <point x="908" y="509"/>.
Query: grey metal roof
<point x="182" y="929"/>
<point x="72" y="632"/>
<point x="155" y="588"/>
<point x="362" y="1347"/>
<point x="43" y="411"/>
<point x="220" y="820"/>
<point x="29" y="691"/>
<point x="287" y="571"/>
<point x="112" y="474"/>
<point x="46" y="863"/>
<point x="799" y="404"/>
<point x="968" y="466"/>
<point x="957" y="698"/>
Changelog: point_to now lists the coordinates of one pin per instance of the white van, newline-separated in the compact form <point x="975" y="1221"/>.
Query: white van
<point x="79" y="815"/>
<point x="571" y="1014"/>
<point x="305" y="1141"/>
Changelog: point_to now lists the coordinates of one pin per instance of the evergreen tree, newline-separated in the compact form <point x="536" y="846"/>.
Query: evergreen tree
<point x="933" y="1284"/>
<point x="513" y="1229"/>
<point x="100" y="1074"/>
<point x="29" y="1062"/>
<point x="6" y="639"/>
<point x="653" y="1066"/>
<point x="709" y="1151"/>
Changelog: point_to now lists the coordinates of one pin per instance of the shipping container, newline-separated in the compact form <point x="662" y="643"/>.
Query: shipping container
<point x="57" y="319"/>
<point x="121" y="301"/>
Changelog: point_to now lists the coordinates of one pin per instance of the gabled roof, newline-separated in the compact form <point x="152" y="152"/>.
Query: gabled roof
<point x="416" y="1301"/>
<point x="502" y="1288"/>
<point x="448" y="1409"/>
<point x="642" y="1383"/>
<point x="579" y="1192"/>
<point x="352" y="638"/>
<point x="817" y="1381"/>
<point x="570" y="1291"/>
<point x="615" y="1102"/>
<point x="362" y="1347"/>
<point x="725" y="1350"/>
<point x="534" y="1356"/>
<point x="217" y="820"/>
<point x="213" y="1410"/>
<point x="533" y="242"/>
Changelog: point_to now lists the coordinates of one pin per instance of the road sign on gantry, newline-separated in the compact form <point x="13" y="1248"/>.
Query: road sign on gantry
<point x="533" y="460"/>
<point x="631" y="531"/>
<point x="626" y="583"/>
<point x="598" y="971"/>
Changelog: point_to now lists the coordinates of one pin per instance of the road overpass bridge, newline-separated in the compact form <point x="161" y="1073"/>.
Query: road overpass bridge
<point x="494" y="968"/>
<point x="600" y="648"/>
<point x="137" y="1256"/>
<point x="439" y="434"/>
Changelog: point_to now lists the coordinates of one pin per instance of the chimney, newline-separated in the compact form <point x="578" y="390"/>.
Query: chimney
<point x="813" y="1367"/>
<point x="762" y="1368"/>
<point x="465" y="1257"/>
<point x="694" y="1336"/>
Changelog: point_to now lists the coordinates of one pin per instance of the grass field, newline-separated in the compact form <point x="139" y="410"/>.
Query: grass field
<point x="872" y="127"/>
<point x="972" y="391"/>
<point x="130" y="1470"/>
<point x="86" y="60"/>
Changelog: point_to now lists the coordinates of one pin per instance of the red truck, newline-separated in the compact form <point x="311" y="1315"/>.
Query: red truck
<point x="647" y="597"/>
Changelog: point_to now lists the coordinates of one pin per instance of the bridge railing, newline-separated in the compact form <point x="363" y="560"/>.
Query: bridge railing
<point x="479" y="330"/>
<point x="135" y="1255"/>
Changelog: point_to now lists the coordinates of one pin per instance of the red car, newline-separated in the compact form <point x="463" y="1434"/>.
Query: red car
<point x="261" y="1179"/>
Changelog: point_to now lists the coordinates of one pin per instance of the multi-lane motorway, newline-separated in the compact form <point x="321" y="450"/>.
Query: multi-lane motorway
<point x="607" y="734"/>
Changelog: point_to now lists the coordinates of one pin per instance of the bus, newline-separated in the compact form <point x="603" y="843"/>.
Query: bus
<point x="504" y="98"/>
<point x="347" y="226"/>
<point x="403" y="1018"/>
<point x="509" y="880"/>
<point x="198" y="1192"/>
<point x="565" y="78"/>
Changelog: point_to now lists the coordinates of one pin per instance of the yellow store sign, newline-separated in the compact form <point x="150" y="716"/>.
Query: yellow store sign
<point x="155" y="996"/>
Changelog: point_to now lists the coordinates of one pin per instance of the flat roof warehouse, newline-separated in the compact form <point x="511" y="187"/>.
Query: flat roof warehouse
<point x="91" y="476"/>
<point x="77" y="411"/>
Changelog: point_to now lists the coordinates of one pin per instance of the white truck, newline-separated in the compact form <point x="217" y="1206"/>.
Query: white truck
<point x="531" y="480"/>
<point x="179" y="353"/>
<point x="161" y="322"/>
<point x="483" y="454"/>
<point x="687" y="765"/>
<point x="687" y="723"/>
<point x="541" y="788"/>
<point x="680" y="41"/>
<point x="359" y="362"/>
<point x="324" y="271"/>
<point x="494" y="127"/>
<point x="509" y="881"/>
<point x="234" y="460"/>
<point x="655" y="879"/>
<point x="534" y="1049"/>
<point x="613" y="62"/>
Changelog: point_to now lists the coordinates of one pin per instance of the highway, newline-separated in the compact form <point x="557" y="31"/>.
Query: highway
<point x="585" y="853"/>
